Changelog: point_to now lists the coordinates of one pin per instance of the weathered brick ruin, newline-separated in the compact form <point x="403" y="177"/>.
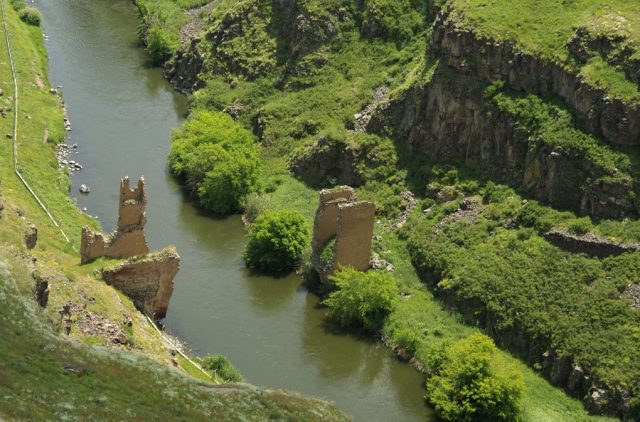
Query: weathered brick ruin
<point x="128" y="240"/>
<point x="146" y="278"/>
<point x="350" y="223"/>
<point x="148" y="281"/>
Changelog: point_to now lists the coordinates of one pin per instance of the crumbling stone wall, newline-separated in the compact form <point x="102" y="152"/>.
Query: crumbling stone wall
<point x="590" y="244"/>
<point x="147" y="280"/>
<point x="128" y="240"/>
<point x="351" y="223"/>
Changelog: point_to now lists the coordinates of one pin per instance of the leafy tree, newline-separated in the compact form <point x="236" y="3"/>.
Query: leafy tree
<point x="217" y="159"/>
<point x="221" y="365"/>
<point x="362" y="298"/>
<point x="276" y="240"/>
<point x="472" y="382"/>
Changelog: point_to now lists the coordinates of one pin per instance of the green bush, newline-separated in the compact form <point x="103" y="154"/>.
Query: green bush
<point x="17" y="5"/>
<point x="159" y="45"/>
<point x="362" y="298"/>
<point x="472" y="382"/>
<point x="253" y="205"/>
<point x="31" y="15"/>
<point x="408" y="339"/>
<point x="580" y="226"/>
<point x="535" y="215"/>
<point x="398" y="20"/>
<point x="276" y="240"/>
<point x="222" y="367"/>
<point x="217" y="159"/>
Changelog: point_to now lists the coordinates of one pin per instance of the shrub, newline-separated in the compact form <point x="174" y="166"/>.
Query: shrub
<point x="159" y="44"/>
<point x="472" y="382"/>
<point x="535" y="215"/>
<point x="393" y="19"/>
<point x="276" y="240"/>
<point x="17" y="5"/>
<point x="408" y="339"/>
<point x="31" y="15"/>
<point x="222" y="367"/>
<point x="362" y="298"/>
<point x="253" y="205"/>
<point x="580" y="226"/>
<point x="217" y="159"/>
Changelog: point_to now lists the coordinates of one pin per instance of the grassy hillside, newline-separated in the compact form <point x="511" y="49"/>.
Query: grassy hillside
<point x="299" y="96"/>
<point x="44" y="373"/>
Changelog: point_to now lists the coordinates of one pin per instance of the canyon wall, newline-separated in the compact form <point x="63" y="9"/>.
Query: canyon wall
<point x="448" y="119"/>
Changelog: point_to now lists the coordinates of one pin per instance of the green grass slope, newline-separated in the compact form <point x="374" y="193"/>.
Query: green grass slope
<point x="45" y="374"/>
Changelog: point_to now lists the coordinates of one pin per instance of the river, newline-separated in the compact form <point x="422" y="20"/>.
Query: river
<point x="122" y="112"/>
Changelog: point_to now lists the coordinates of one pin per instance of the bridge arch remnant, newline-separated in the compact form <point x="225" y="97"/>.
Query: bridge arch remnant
<point x="350" y="223"/>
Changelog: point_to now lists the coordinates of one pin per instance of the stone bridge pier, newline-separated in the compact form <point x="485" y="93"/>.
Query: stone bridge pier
<point x="146" y="278"/>
<point x="344" y="225"/>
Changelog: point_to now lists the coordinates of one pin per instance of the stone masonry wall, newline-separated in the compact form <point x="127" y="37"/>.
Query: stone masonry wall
<point x="148" y="281"/>
<point x="351" y="223"/>
<point x="128" y="240"/>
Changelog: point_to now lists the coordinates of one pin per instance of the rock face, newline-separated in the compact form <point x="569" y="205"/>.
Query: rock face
<point x="251" y="39"/>
<point x="449" y="119"/>
<point x="147" y="280"/>
<point x="589" y="244"/>
<point x="128" y="240"/>
<point x="612" y="119"/>
<point x="184" y="70"/>
<point x="350" y="223"/>
<point x="40" y="289"/>
<point x="329" y="158"/>
<point x="31" y="236"/>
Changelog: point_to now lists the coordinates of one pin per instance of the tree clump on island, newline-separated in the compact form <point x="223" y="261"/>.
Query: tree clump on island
<point x="276" y="241"/>
<point x="362" y="299"/>
<point x="217" y="159"/>
<point x="471" y="381"/>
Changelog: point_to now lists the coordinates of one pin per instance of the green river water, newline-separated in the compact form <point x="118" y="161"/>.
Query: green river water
<point x="122" y="112"/>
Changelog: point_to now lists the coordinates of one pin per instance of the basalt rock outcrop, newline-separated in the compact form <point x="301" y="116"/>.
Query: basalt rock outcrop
<point x="31" y="236"/>
<point x="185" y="69"/>
<point x="251" y="39"/>
<point x="350" y="224"/>
<point x="462" y="49"/>
<point x="147" y="280"/>
<point x="128" y="240"/>
<point x="448" y="121"/>
<point x="448" y="118"/>
<point x="329" y="159"/>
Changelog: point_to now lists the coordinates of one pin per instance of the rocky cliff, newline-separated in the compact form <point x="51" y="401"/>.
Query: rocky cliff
<point x="450" y="118"/>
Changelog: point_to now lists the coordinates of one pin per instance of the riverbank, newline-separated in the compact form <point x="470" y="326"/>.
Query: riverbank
<point x="45" y="373"/>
